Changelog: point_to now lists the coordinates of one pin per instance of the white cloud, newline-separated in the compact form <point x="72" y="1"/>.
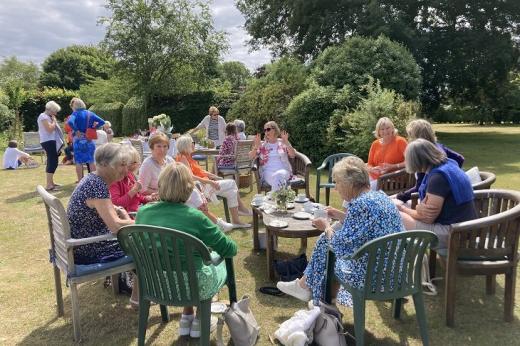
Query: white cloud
<point x="32" y="29"/>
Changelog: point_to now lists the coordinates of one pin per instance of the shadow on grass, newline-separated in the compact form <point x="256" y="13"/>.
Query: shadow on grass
<point x="64" y="191"/>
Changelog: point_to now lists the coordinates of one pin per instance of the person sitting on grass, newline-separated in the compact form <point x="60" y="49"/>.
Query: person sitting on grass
<point x="175" y="187"/>
<point x="14" y="157"/>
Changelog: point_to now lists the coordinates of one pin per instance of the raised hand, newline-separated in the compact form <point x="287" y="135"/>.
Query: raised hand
<point x="285" y="137"/>
<point x="258" y="141"/>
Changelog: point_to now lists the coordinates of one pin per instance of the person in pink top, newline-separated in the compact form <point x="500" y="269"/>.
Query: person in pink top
<point x="126" y="193"/>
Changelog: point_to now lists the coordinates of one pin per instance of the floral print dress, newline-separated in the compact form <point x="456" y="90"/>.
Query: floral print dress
<point x="371" y="215"/>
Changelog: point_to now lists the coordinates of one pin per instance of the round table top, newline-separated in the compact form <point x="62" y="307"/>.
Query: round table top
<point x="295" y="229"/>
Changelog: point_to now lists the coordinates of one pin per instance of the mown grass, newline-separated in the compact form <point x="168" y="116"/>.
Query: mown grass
<point x="27" y="303"/>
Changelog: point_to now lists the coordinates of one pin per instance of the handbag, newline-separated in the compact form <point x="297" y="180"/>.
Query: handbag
<point x="328" y="329"/>
<point x="90" y="133"/>
<point x="243" y="327"/>
<point x="291" y="269"/>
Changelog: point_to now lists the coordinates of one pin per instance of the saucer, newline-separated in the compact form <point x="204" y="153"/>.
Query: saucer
<point x="290" y="205"/>
<point x="301" y="200"/>
<point x="278" y="224"/>
<point x="301" y="215"/>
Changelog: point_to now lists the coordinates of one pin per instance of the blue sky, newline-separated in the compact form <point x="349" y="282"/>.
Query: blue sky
<point x="32" y="29"/>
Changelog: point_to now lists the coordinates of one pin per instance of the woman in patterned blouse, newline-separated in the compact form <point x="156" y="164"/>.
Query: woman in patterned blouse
<point x="225" y="158"/>
<point x="370" y="215"/>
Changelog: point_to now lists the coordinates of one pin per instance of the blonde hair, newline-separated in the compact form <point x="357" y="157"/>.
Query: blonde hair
<point x="383" y="121"/>
<point x="352" y="172"/>
<point x="273" y="125"/>
<point x="420" y="128"/>
<point x="175" y="183"/>
<point x="212" y="110"/>
<point x="184" y="144"/>
<point x="133" y="154"/>
<point x="77" y="103"/>
<point x="421" y="155"/>
<point x="158" y="137"/>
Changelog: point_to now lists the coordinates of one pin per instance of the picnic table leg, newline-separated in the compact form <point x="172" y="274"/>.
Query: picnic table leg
<point x="256" y="242"/>
<point x="269" y="253"/>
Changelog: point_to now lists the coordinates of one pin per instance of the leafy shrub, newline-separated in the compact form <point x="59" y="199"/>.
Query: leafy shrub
<point x="34" y="104"/>
<point x="359" y="58"/>
<point x="267" y="97"/>
<point x="134" y="117"/>
<point x="112" y="112"/>
<point x="359" y="124"/>
<point x="6" y="117"/>
<point x="307" y="118"/>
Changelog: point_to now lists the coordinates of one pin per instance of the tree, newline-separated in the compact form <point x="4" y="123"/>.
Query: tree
<point x="166" y="46"/>
<point x="463" y="47"/>
<point x="11" y="69"/>
<point x="359" y="58"/>
<point x="234" y="72"/>
<point x="73" y="66"/>
<point x="114" y="89"/>
<point x="267" y="97"/>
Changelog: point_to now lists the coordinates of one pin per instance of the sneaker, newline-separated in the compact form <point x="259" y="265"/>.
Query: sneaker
<point x="185" y="325"/>
<point x="294" y="289"/>
<point x="241" y="225"/>
<point x="195" y="326"/>
<point x="224" y="226"/>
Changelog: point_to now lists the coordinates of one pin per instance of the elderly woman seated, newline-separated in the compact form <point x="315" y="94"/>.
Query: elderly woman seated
<point x="213" y="184"/>
<point x="274" y="154"/>
<point x="152" y="167"/>
<point x="370" y="215"/>
<point x="386" y="152"/>
<point x="241" y="129"/>
<point x="175" y="187"/>
<point x="91" y="212"/>
<point x="445" y="193"/>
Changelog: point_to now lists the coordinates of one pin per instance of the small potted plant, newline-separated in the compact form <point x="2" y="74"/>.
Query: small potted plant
<point x="283" y="196"/>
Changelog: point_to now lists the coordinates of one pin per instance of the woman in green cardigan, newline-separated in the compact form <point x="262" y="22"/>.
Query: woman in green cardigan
<point x="175" y="187"/>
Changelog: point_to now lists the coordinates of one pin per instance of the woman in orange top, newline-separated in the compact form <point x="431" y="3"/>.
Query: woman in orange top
<point x="223" y="187"/>
<point x="387" y="151"/>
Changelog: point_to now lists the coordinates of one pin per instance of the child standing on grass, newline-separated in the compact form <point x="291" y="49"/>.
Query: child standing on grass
<point x="13" y="157"/>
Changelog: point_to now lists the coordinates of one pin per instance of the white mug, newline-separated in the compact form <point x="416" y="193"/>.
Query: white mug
<point x="301" y="197"/>
<point x="308" y="207"/>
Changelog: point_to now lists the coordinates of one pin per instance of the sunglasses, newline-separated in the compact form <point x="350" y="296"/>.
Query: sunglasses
<point x="268" y="129"/>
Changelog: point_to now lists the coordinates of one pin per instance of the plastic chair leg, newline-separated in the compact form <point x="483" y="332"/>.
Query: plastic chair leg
<point x="226" y="209"/>
<point x="75" y="311"/>
<point x="164" y="313"/>
<point x="327" y="196"/>
<point x="115" y="283"/>
<point x="359" y="319"/>
<point x="421" y="317"/>
<point x="397" y="304"/>
<point x="204" y="315"/>
<point x="144" y="310"/>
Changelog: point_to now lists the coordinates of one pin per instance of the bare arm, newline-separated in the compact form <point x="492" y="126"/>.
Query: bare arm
<point x="50" y="126"/>
<point x="427" y="211"/>
<point x="256" y="145"/>
<point x="285" y="140"/>
<point x="106" y="210"/>
<point x="202" y="180"/>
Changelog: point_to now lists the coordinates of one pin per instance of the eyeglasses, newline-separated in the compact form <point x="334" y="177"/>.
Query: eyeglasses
<point x="192" y="142"/>
<point x="268" y="129"/>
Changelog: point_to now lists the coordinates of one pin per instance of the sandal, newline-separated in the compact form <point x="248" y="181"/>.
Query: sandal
<point x="272" y="291"/>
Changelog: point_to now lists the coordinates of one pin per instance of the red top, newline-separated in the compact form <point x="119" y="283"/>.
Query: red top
<point x="392" y="152"/>
<point x="194" y="166"/>
<point x="119" y="194"/>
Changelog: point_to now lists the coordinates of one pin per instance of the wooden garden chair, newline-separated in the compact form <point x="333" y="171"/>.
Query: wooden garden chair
<point x="395" y="182"/>
<point x="243" y="164"/>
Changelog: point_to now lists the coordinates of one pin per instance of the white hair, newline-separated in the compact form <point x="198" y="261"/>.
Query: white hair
<point x="78" y="103"/>
<point x="52" y="106"/>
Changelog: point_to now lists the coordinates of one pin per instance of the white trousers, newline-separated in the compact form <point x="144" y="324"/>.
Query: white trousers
<point x="276" y="178"/>
<point x="229" y="190"/>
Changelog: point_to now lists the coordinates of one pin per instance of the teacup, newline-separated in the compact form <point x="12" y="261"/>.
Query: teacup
<point x="308" y="207"/>
<point x="320" y="213"/>
<point x="301" y="197"/>
<point x="258" y="199"/>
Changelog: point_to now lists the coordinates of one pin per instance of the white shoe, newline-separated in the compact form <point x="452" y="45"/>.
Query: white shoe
<point x="224" y="226"/>
<point x="241" y="225"/>
<point x="195" y="326"/>
<point x="185" y="325"/>
<point x="294" y="289"/>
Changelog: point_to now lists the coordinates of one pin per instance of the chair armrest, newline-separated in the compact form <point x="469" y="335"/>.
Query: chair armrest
<point x="322" y="167"/>
<point x="216" y="259"/>
<point x="72" y="242"/>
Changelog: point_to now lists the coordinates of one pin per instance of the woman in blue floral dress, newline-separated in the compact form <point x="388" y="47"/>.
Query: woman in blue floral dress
<point x="369" y="215"/>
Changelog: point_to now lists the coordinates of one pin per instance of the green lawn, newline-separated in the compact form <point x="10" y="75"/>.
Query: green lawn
<point x="27" y="303"/>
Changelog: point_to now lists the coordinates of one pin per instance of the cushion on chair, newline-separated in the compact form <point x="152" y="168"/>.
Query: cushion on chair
<point x="474" y="175"/>
<point x="328" y="185"/>
<point x="85" y="269"/>
<point x="199" y="157"/>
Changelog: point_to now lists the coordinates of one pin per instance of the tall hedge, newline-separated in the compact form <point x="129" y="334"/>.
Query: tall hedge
<point x="112" y="112"/>
<point x="133" y="116"/>
<point x="34" y="104"/>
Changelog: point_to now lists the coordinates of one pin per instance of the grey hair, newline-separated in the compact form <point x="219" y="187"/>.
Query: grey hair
<point x="184" y="143"/>
<point x="381" y="122"/>
<point x="111" y="154"/>
<point x="352" y="172"/>
<point x="78" y="103"/>
<point x="422" y="155"/>
<point x="420" y="128"/>
<point x="52" y="106"/>
<point x="241" y="125"/>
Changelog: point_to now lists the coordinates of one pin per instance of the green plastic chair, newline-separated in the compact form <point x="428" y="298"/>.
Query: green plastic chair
<point x="327" y="164"/>
<point x="162" y="277"/>
<point x="401" y="277"/>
